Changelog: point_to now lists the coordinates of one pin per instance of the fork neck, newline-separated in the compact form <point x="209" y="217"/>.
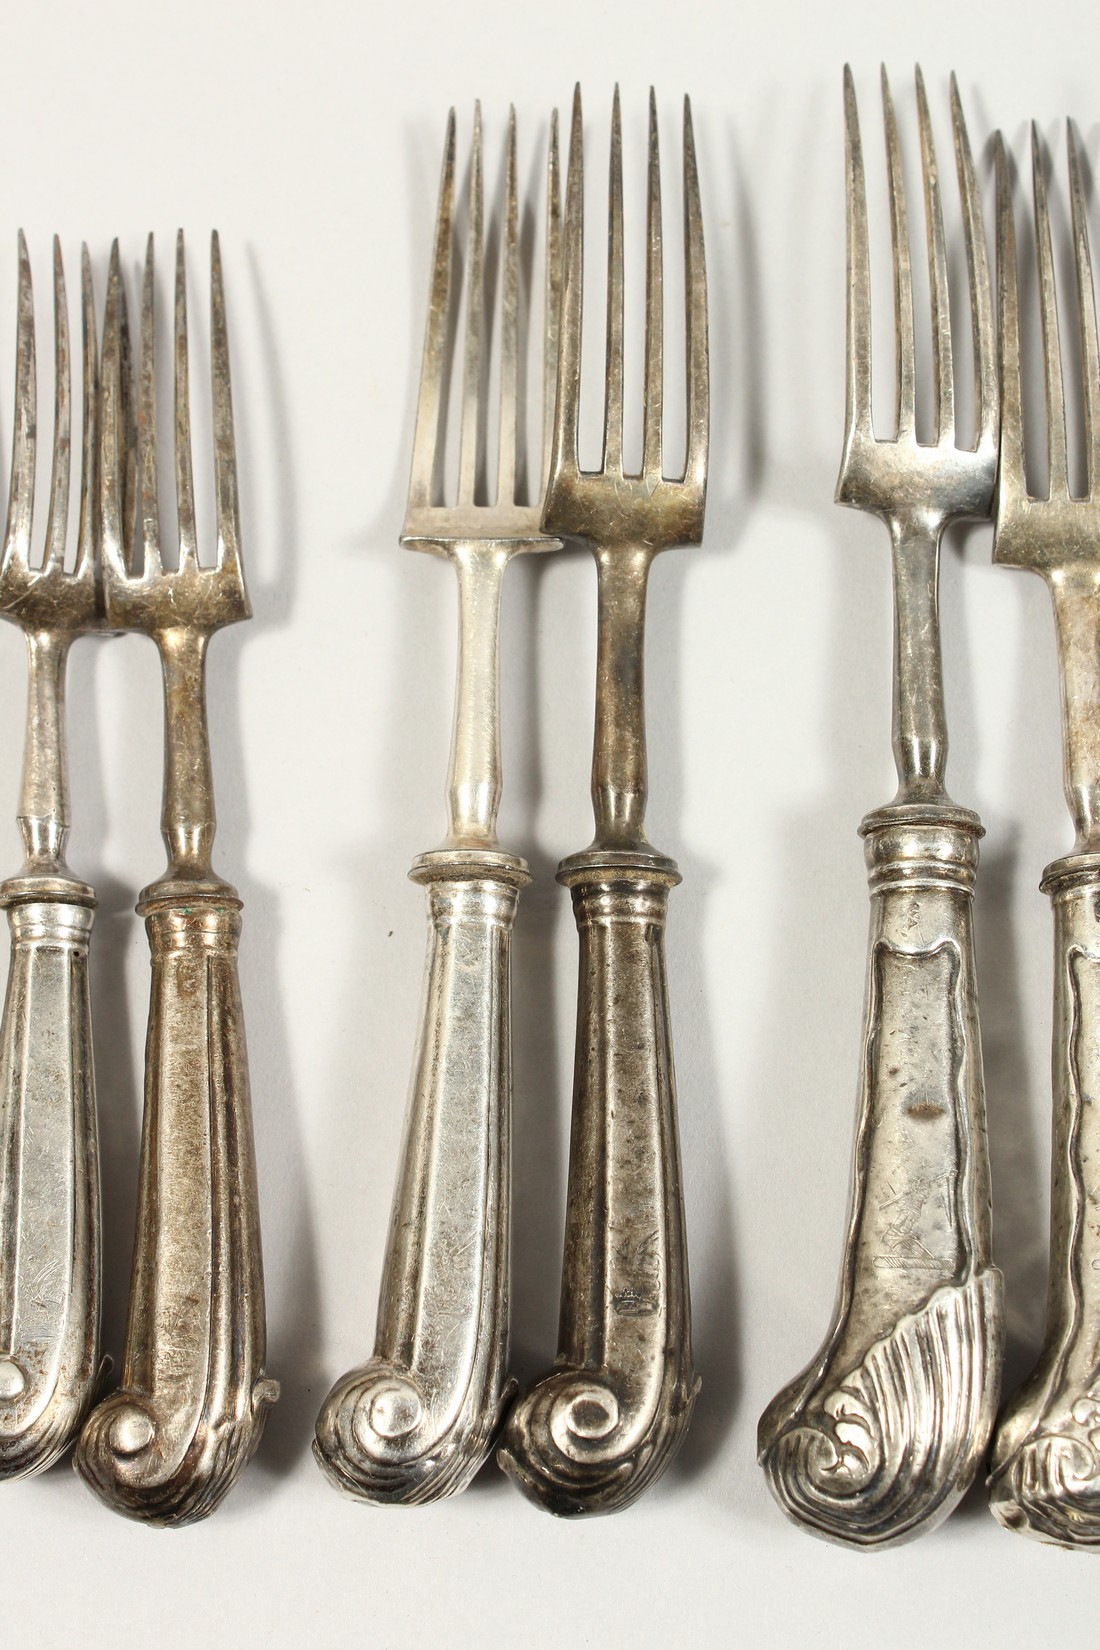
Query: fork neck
<point x="620" y="774"/>
<point x="44" y="797"/>
<point x="473" y="777"/>
<point x="188" y="820"/>
<point x="919" y="722"/>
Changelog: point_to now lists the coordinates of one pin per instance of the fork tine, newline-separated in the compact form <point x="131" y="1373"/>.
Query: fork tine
<point x="226" y="496"/>
<point x="552" y="307"/>
<point x="17" y="538"/>
<point x="1086" y="296"/>
<point x="977" y="265"/>
<point x="58" y="519"/>
<point x="903" y="280"/>
<point x="1052" y="347"/>
<point x="128" y="412"/>
<point x="1011" y="482"/>
<point x="697" y="350"/>
<point x="564" y="455"/>
<point x="475" y="306"/>
<point x="509" y="329"/>
<point x="858" y="417"/>
<point x="654" y="308"/>
<point x="148" y="503"/>
<point x="85" y="553"/>
<point x="429" y="403"/>
<point x="111" y="487"/>
<point x="185" y="487"/>
<point x="613" y="404"/>
<point x="943" y="376"/>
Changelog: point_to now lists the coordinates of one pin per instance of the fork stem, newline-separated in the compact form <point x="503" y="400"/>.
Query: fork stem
<point x="44" y="798"/>
<point x="919" y="723"/>
<point x="473" y="779"/>
<point x="188" y="820"/>
<point x="620" y="775"/>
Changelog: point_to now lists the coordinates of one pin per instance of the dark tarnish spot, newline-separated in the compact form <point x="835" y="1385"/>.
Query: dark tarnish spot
<point x="925" y="1110"/>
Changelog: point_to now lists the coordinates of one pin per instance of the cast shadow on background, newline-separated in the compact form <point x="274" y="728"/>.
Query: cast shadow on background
<point x="292" y="1280"/>
<point x="739" y="417"/>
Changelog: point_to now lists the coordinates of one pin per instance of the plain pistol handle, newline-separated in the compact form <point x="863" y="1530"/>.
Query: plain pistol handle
<point x="49" y="1179"/>
<point x="169" y="1444"/>
<point x="416" y="1421"/>
<point x="593" y="1434"/>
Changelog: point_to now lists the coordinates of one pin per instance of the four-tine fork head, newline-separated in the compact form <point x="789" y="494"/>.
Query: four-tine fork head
<point x="432" y="526"/>
<point x="153" y="599"/>
<point x="891" y="476"/>
<point x="48" y="597"/>
<point x="1059" y="529"/>
<point x="608" y="506"/>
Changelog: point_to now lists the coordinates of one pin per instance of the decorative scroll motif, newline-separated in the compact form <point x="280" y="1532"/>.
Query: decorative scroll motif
<point x="379" y="1440"/>
<point x="576" y="1448"/>
<point x="1050" y="1487"/>
<point x="892" y="1445"/>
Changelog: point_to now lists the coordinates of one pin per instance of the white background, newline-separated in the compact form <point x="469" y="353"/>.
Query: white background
<point x="310" y="137"/>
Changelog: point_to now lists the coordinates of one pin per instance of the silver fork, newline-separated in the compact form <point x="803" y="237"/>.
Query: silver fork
<point x="881" y="1435"/>
<point x="169" y="1444"/>
<point x="49" y="1169"/>
<point x="1045" y="1479"/>
<point x="415" y="1422"/>
<point x="592" y="1435"/>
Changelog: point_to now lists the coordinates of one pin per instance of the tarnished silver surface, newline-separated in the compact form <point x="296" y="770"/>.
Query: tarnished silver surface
<point x="592" y="1435"/>
<point x="49" y="1169"/>
<point x="169" y="1444"/>
<point x="416" y="1421"/>
<point x="1045" y="1479"/>
<point x="877" y="1440"/>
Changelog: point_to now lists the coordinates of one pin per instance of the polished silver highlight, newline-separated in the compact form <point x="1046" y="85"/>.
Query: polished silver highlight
<point x="1045" y="1479"/>
<point x="416" y="1421"/>
<point x="592" y="1435"/>
<point x="877" y="1440"/>
<point x="171" y="1442"/>
<point x="49" y="1169"/>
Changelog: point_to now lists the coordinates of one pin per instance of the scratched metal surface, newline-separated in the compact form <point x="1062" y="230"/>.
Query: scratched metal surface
<point x="311" y="142"/>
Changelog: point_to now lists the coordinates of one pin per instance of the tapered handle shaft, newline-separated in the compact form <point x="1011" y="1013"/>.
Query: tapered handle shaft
<point x="49" y="1178"/>
<point x="881" y="1435"/>
<point x="592" y="1435"/>
<point x="415" y="1422"/>
<point x="1046" y="1459"/>
<point x="170" y="1443"/>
